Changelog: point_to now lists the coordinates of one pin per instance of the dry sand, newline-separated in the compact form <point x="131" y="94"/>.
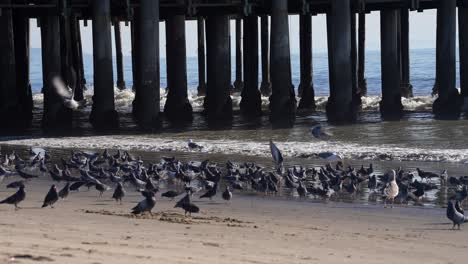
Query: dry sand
<point x="87" y="229"/>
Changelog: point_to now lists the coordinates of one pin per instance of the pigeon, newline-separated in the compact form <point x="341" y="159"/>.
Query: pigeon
<point x="15" y="184"/>
<point x="193" y="145"/>
<point x="187" y="205"/>
<point x="455" y="213"/>
<point x="227" y="194"/>
<point x="119" y="193"/>
<point x="67" y="94"/>
<point x="320" y="133"/>
<point x="63" y="193"/>
<point x="301" y="190"/>
<point x="210" y="193"/>
<point x="77" y="185"/>
<point x="25" y="175"/>
<point x="101" y="188"/>
<point x="391" y="191"/>
<point x="170" y="194"/>
<point x="51" y="197"/>
<point x="16" y="198"/>
<point x="276" y="154"/>
<point x="146" y="205"/>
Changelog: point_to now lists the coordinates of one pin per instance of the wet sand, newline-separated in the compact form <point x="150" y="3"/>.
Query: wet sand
<point x="251" y="229"/>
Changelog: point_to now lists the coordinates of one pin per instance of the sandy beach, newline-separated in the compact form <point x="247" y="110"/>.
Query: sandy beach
<point x="88" y="229"/>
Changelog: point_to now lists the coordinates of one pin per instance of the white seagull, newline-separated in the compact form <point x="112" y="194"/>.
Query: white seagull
<point x="391" y="191"/>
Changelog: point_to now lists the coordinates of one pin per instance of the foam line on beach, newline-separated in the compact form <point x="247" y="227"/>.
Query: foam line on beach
<point x="310" y="149"/>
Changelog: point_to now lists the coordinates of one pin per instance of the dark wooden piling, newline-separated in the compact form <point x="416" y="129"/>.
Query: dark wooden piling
<point x="177" y="106"/>
<point x="218" y="102"/>
<point x="119" y="56"/>
<point x="282" y="99"/>
<point x="103" y="114"/>
<point x="354" y="61"/>
<point x="21" y="40"/>
<point x="265" y="87"/>
<point x="463" y="46"/>
<point x="238" y="83"/>
<point x="82" y="87"/>
<point x="77" y="57"/>
<point x="251" y="103"/>
<point x="306" y="87"/>
<point x="390" y="106"/>
<point x="8" y="91"/>
<point x="406" y="87"/>
<point x="201" y="57"/>
<point x="362" y="82"/>
<point x="448" y="103"/>
<point x="55" y="113"/>
<point x="340" y="106"/>
<point x="147" y="50"/>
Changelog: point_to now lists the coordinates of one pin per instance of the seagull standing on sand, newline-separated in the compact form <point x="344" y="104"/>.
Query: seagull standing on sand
<point x="16" y="198"/>
<point x="391" y="191"/>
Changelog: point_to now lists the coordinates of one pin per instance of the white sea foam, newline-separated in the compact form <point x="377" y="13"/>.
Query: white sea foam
<point x="309" y="149"/>
<point x="124" y="99"/>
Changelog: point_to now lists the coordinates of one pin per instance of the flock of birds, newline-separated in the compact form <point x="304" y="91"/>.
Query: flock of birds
<point x="123" y="171"/>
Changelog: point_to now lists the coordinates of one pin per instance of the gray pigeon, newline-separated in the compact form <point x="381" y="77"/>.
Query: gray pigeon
<point x="455" y="213"/>
<point x="227" y="194"/>
<point x="51" y="197"/>
<point x="16" y="198"/>
<point x="63" y="194"/>
<point x="276" y="154"/>
<point x="146" y="205"/>
<point x="119" y="193"/>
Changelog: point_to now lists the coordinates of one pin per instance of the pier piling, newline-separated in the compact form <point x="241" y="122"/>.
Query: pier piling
<point x="147" y="50"/>
<point x="448" y="103"/>
<point x="406" y="87"/>
<point x="177" y="106"/>
<point x="340" y="106"/>
<point x="390" y="106"/>
<point x="238" y="83"/>
<point x="23" y="85"/>
<point x="218" y="102"/>
<point x="463" y="46"/>
<point x="306" y="87"/>
<point x="103" y="114"/>
<point x="265" y="87"/>
<point x="282" y="99"/>
<point x="55" y="114"/>
<point x="119" y="56"/>
<point x="362" y="82"/>
<point x="201" y="57"/>
<point x="8" y="92"/>
<point x="251" y="103"/>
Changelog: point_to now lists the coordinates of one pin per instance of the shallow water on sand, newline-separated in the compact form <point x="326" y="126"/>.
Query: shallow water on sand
<point x="434" y="198"/>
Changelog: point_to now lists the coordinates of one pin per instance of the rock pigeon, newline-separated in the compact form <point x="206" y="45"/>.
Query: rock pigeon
<point x="16" y="198"/>
<point x="51" y="197"/>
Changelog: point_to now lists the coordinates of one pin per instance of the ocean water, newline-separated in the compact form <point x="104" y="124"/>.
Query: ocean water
<point x="418" y="137"/>
<point x="422" y="71"/>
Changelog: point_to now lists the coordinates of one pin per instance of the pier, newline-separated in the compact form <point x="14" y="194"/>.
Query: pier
<point x="262" y="46"/>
